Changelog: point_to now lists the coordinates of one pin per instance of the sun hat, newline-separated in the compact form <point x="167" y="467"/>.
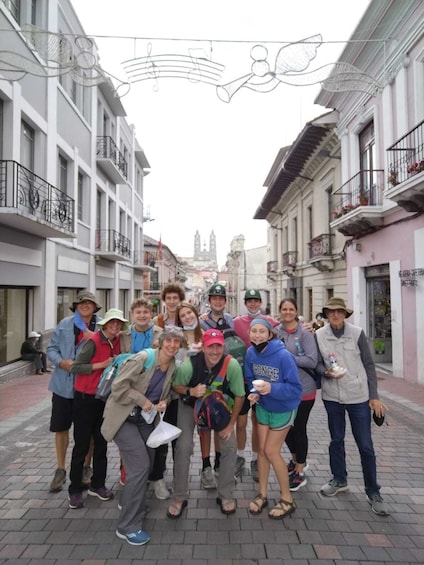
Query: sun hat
<point x="262" y="322"/>
<point x="252" y="294"/>
<point x="114" y="314"/>
<point x="337" y="304"/>
<point x="81" y="297"/>
<point x="212" y="336"/>
<point x="34" y="334"/>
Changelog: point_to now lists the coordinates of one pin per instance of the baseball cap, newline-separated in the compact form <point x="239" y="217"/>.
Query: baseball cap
<point x="34" y="334"/>
<point x="251" y="294"/>
<point x="210" y="337"/>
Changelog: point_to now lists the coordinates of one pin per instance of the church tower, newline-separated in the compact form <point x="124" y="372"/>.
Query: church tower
<point x="197" y="249"/>
<point x="212" y="247"/>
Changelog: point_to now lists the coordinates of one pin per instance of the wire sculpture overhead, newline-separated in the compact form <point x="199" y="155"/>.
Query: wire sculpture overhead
<point x="58" y="55"/>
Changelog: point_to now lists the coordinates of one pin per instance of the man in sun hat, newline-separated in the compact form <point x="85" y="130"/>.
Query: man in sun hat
<point x="349" y="384"/>
<point x="30" y="351"/>
<point x="193" y="379"/>
<point x="67" y="340"/>
<point x="96" y="354"/>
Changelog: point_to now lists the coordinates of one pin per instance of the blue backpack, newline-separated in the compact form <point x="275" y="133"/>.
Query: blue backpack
<point x="109" y="374"/>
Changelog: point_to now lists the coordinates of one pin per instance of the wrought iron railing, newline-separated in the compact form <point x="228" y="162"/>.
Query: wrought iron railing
<point x="406" y="156"/>
<point x="272" y="266"/>
<point x="106" y="148"/>
<point x="363" y="189"/>
<point x="320" y="246"/>
<point x="22" y="189"/>
<point x="144" y="258"/>
<point x="111" y="241"/>
<point x="289" y="259"/>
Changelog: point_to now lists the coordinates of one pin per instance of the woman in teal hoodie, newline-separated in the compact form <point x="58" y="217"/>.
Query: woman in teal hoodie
<point x="273" y="380"/>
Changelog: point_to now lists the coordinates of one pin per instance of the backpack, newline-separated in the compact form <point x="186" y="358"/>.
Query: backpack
<point x="234" y="345"/>
<point x="109" y="374"/>
<point x="212" y="411"/>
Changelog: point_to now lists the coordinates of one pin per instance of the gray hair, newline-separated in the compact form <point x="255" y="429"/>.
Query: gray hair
<point x="170" y="332"/>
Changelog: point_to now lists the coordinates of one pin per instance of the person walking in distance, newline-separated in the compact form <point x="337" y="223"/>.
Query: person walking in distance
<point x="67" y="340"/>
<point x="349" y="385"/>
<point x="30" y="351"/>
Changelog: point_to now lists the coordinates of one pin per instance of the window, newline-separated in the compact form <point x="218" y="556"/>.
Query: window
<point x="63" y="174"/>
<point x="27" y="146"/>
<point x="367" y="163"/>
<point x="1" y="128"/>
<point x="80" y="196"/>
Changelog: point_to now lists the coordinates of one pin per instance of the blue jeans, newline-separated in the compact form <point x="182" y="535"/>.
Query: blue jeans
<point x="360" y="421"/>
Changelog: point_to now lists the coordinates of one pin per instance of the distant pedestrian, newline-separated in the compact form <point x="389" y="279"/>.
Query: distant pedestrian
<point x="30" y="351"/>
<point x="349" y="385"/>
<point x="96" y="354"/>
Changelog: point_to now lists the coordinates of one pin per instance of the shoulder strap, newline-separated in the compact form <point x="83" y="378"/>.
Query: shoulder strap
<point x="160" y="321"/>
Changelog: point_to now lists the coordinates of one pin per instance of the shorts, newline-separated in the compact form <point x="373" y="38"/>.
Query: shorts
<point x="61" y="417"/>
<point x="275" y="420"/>
<point x="245" y="407"/>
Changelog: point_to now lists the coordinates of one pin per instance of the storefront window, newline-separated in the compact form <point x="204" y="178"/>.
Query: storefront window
<point x="13" y="330"/>
<point x="379" y="313"/>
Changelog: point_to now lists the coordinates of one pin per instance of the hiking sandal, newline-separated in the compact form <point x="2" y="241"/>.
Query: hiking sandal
<point x="260" y="502"/>
<point x="283" y="508"/>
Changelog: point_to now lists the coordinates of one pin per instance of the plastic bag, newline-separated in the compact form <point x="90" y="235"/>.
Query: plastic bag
<point x="163" y="433"/>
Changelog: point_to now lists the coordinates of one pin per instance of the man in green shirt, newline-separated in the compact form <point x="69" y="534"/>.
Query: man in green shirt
<point x="192" y="381"/>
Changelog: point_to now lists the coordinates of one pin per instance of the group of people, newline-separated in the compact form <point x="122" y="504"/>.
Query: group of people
<point x="277" y="382"/>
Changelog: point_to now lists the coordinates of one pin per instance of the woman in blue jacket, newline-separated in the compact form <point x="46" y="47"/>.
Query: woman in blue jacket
<point x="273" y="379"/>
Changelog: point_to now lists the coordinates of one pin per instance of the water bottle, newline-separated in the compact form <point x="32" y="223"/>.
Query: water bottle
<point x="299" y="350"/>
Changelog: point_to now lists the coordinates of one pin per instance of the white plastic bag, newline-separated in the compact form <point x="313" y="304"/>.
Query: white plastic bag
<point x="163" y="433"/>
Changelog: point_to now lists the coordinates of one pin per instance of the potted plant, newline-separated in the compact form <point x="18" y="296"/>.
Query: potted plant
<point x="379" y="346"/>
<point x="363" y="199"/>
<point x="393" y="177"/>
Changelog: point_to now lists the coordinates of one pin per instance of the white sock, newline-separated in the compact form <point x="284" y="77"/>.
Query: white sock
<point x="254" y="455"/>
<point x="240" y="452"/>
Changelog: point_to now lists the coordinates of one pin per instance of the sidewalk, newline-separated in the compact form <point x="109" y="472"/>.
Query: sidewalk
<point x="38" y="527"/>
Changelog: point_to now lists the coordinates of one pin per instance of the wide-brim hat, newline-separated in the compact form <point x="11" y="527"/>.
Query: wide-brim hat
<point x="114" y="314"/>
<point x="337" y="304"/>
<point x="81" y="297"/>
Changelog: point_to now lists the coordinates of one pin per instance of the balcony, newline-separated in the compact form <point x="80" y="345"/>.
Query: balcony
<point x="357" y="204"/>
<point x="111" y="160"/>
<point x="320" y="252"/>
<point x="30" y="204"/>
<point x="145" y="261"/>
<point x="112" y="245"/>
<point x="289" y="263"/>
<point x="406" y="170"/>
<point x="272" y="267"/>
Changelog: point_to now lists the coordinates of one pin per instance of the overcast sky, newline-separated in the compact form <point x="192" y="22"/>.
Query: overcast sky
<point x="209" y="158"/>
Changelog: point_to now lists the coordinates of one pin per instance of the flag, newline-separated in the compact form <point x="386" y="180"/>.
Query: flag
<point x="159" y="253"/>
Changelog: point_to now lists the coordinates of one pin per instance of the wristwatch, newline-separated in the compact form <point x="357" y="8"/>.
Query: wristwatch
<point x="188" y="391"/>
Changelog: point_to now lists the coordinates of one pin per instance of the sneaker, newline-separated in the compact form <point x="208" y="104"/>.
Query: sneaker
<point x="215" y="470"/>
<point x="161" y="490"/>
<point x="86" y="475"/>
<point x="291" y="467"/>
<point x="377" y="505"/>
<point x="333" y="487"/>
<point x="122" y="476"/>
<point x="207" y="478"/>
<point x="58" y="481"/>
<point x="137" y="538"/>
<point x="240" y="461"/>
<point x="76" y="500"/>
<point x="254" y="470"/>
<point x="103" y="493"/>
<point x="296" y="481"/>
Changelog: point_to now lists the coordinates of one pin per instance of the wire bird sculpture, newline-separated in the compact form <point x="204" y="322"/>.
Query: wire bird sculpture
<point x="60" y="57"/>
<point x="195" y="67"/>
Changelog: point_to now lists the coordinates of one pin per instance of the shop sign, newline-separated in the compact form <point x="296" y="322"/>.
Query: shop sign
<point x="408" y="276"/>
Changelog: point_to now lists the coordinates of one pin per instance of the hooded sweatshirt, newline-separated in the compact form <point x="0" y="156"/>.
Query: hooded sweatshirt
<point x="276" y="365"/>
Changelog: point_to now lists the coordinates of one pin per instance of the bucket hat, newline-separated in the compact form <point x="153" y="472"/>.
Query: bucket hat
<point x="81" y="297"/>
<point x="337" y="304"/>
<point x="114" y="314"/>
<point x="251" y="294"/>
